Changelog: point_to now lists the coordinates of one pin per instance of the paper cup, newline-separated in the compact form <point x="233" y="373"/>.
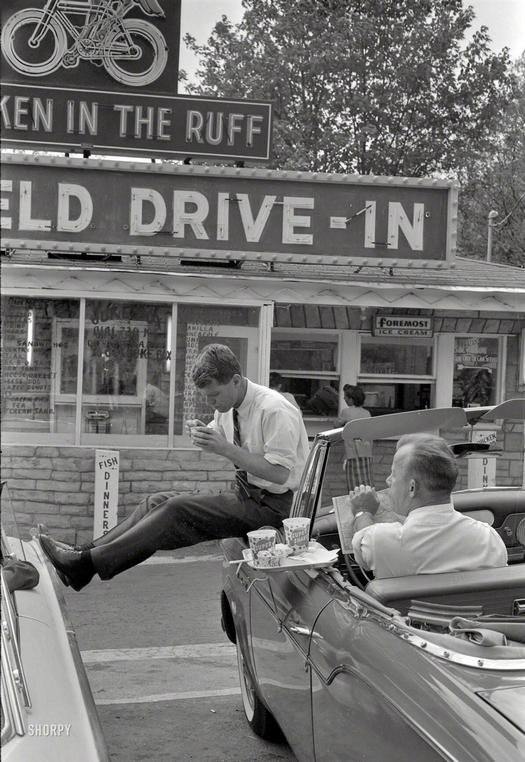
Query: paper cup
<point x="297" y="531"/>
<point x="261" y="539"/>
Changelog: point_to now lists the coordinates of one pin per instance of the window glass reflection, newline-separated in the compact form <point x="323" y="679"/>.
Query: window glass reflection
<point x="29" y="350"/>
<point x="475" y="370"/>
<point x="396" y="357"/>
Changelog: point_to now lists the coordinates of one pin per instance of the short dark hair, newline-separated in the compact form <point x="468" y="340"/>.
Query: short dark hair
<point x="431" y="461"/>
<point x="216" y="362"/>
<point x="275" y="379"/>
<point x="355" y="393"/>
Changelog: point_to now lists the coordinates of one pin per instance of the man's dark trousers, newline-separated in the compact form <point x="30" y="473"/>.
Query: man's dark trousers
<point x="166" y="521"/>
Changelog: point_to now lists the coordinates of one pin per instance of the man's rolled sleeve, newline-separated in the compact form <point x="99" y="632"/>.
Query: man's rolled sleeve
<point x="281" y="439"/>
<point x="363" y="547"/>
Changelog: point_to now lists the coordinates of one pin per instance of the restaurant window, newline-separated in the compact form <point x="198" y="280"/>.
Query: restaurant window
<point x="397" y="374"/>
<point x="475" y="380"/>
<point x="125" y="369"/>
<point x="28" y="372"/>
<point x="309" y="364"/>
<point x="120" y="370"/>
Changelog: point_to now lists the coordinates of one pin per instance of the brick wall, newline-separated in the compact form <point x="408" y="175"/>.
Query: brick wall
<point x="56" y="485"/>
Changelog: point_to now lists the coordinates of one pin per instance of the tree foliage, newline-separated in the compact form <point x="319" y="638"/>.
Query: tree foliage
<point x="387" y="87"/>
<point x="496" y="181"/>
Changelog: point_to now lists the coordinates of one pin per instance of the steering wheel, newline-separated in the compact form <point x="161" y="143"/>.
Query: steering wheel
<point x="350" y="564"/>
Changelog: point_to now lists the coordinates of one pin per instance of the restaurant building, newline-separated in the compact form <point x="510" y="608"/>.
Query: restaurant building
<point x="116" y="274"/>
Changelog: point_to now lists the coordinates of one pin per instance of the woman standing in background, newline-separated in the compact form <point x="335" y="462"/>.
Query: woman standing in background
<point x="358" y="455"/>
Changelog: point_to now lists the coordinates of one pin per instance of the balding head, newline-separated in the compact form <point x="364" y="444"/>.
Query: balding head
<point x="431" y="462"/>
<point x="424" y="472"/>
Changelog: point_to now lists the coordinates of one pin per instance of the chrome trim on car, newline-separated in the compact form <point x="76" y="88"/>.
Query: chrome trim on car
<point x="366" y="607"/>
<point x="311" y="480"/>
<point x="9" y="633"/>
<point x="518" y="608"/>
<point x="85" y="689"/>
<point x="11" y="701"/>
<point x="454" y="657"/>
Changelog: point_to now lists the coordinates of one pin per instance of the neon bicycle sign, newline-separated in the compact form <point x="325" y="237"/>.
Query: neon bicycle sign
<point x="39" y="41"/>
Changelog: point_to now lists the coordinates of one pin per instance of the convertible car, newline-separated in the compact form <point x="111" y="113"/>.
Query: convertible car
<point x="48" y="712"/>
<point x="418" y="668"/>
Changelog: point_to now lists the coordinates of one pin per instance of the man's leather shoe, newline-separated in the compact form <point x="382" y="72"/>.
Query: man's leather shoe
<point x="68" y="563"/>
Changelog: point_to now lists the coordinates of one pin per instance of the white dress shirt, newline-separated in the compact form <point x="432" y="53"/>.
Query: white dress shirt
<point x="270" y="426"/>
<point x="433" y="539"/>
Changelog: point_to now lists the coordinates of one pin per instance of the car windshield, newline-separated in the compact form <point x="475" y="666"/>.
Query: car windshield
<point x="11" y="541"/>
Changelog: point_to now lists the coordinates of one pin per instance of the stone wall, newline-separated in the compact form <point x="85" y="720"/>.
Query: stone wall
<point x="56" y="485"/>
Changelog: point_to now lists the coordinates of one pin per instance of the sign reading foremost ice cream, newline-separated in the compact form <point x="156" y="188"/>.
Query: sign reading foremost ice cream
<point x="402" y="325"/>
<point x="217" y="212"/>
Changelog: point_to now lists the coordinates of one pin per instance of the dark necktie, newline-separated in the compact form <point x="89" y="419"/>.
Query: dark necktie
<point x="241" y="477"/>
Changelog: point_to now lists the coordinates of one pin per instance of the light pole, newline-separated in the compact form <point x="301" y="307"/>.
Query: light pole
<point x="492" y="215"/>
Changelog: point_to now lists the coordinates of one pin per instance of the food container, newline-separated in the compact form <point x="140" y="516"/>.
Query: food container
<point x="281" y="550"/>
<point x="261" y="539"/>
<point x="297" y="533"/>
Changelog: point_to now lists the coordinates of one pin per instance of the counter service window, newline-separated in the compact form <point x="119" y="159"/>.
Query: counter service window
<point x="397" y="374"/>
<point x="309" y="365"/>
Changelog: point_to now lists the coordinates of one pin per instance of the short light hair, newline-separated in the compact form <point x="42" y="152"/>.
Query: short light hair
<point x="216" y="362"/>
<point x="430" y="461"/>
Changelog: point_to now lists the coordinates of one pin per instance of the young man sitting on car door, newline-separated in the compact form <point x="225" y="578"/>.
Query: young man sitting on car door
<point x="256" y="429"/>
<point x="429" y="537"/>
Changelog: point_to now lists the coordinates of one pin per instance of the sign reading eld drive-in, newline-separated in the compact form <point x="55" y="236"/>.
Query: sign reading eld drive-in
<point x="64" y="204"/>
<point x="102" y="76"/>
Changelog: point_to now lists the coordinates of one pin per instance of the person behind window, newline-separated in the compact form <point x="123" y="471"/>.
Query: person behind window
<point x="254" y="428"/>
<point x="157" y="403"/>
<point x="434" y="538"/>
<point x="325" y="401"/>
<point x="277" y="383"/>
<point x="479" y="390"/>
<point x="358" y="455"/>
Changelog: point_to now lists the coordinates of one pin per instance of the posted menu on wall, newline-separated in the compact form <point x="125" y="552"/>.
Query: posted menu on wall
<point x="27" y="375"/>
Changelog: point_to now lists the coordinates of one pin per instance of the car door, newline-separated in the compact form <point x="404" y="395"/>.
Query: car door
<point x="284" y="608"/>
<point x="357" y="672"/>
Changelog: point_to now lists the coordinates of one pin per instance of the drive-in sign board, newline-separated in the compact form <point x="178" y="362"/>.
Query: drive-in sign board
<point x="76" y="205"/>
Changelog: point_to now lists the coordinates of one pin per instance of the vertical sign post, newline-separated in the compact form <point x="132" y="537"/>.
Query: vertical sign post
<point x="106" y="491"/>
<point x="482" y="470"/>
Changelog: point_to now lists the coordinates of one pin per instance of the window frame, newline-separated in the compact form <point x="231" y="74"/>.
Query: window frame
<point x="396" y="377"/>
<point x="104" y="400"/>
<point x="501" y="367"/>
<point x="400" y="378"/>
<point x="521" y="360"/>
<point x="327" y="334"/>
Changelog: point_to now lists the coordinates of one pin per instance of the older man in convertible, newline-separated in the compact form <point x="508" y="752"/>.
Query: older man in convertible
<point x="433" y="538"/>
